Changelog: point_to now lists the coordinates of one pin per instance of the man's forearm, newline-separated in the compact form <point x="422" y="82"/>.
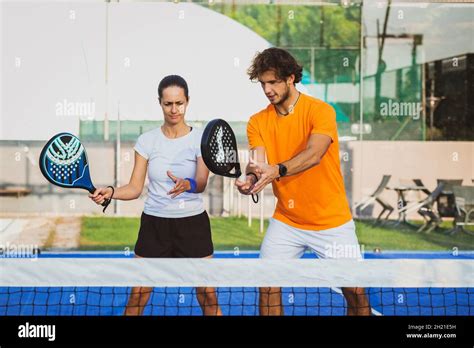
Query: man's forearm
<point x="301" y="162"/>
<point x="267" y="173"/>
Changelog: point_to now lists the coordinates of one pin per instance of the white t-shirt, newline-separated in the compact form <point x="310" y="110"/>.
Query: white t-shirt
<point x="178" y="156"/>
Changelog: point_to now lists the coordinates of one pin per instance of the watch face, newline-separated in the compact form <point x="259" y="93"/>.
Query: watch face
<point x="282" y="170"/>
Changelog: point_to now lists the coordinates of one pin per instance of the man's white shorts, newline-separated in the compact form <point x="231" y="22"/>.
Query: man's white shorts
<point x="283" y="241"/>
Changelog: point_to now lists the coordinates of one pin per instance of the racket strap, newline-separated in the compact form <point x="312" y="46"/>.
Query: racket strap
<point x="107" y="201"/>
<point x="254" y="197"/>
<point x="255" y="175"/>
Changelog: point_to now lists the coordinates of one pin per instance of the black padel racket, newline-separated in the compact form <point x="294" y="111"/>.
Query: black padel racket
<point x="63" y="162"/>
<point x="219" y="151"/>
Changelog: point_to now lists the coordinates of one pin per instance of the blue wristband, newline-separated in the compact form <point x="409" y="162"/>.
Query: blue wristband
<point x="193" y="185"/>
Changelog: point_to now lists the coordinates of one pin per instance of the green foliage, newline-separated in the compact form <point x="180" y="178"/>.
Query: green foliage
<point x="308" y="32"/>
<point x="105" y="233"/>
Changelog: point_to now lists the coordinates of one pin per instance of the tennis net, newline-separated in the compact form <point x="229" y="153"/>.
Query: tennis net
<point x="95" y="286"/>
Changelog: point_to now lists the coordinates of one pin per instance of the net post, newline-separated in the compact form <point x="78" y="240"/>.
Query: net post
<point x="249" y="210"/>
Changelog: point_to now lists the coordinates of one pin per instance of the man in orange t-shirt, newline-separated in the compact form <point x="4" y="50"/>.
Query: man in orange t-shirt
<point x="298" y="135"/>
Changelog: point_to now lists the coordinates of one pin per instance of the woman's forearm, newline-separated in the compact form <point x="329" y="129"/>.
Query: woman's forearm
<point x="201" y="184"/>
<point x="126" y="192"/>
<point x="200" y="187"/>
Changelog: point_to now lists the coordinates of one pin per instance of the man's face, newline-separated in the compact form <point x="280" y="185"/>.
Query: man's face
<point x="275" y="89"/>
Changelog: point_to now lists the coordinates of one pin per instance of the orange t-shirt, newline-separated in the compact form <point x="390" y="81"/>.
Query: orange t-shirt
<point x="313" y="199"/>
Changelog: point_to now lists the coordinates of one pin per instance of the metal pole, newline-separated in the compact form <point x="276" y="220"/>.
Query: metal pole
<point x="262" y="206"/>
<point x="118" y="152"/>
<point x="239" y="205"/>
<point x="106" y="115"/>
<point x="225" y="198"/>
<point x="262" y="203"/>
<point x="243" y="155"/>
<point x="423" y="99"/>
<point x="231" y="197"/>
<point x="361" y="75"/>
<point x="432" y="108"/>
<point x="361" y="92"/>
<point x="249" y="214"/>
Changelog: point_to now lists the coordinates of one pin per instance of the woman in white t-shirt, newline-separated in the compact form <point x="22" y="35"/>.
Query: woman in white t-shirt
<point x="174" y="222"/>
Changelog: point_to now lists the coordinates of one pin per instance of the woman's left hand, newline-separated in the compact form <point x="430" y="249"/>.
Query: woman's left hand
<point x="181" y="185"/>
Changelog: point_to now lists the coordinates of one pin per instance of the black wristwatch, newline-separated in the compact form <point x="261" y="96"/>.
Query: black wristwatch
<point x="282" y="170"/>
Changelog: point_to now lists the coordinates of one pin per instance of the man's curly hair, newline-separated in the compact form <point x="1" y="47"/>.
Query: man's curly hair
<point x="280" y="61"/>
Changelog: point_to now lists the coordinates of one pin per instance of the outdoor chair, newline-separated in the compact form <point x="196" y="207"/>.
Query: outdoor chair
<point x="375" y="197"/>
<point x="464" y="198"/>
<point x="446" y="201"/>
<point x="425" y="208"/>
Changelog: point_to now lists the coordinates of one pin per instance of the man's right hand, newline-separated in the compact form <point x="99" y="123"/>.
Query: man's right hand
<point x="245" y="187"/>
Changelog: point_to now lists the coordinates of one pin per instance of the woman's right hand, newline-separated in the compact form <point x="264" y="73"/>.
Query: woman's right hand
<point x="101" y="194"/>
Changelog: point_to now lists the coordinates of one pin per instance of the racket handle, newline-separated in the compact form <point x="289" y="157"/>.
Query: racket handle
<point x="105" y="203"/>
<point x="242" y="178"/>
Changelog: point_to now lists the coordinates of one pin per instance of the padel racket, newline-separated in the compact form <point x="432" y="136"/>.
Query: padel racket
<point x="219" y="151"/>
<point x="63" y="162"/>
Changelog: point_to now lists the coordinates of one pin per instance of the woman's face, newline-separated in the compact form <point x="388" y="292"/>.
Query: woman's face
<point x="174" y="104"/>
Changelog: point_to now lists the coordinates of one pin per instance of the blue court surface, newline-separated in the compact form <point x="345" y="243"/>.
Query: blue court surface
<point x="239" y="301"/>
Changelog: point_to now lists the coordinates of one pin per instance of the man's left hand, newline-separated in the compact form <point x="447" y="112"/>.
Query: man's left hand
<point x="267" y="174"/>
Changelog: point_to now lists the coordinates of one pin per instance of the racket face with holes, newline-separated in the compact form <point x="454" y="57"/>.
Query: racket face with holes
<point x="219" y="149"/>
<point x="63" y="162"/>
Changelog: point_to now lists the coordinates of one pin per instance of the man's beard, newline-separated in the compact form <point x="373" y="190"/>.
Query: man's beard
<point x="284" y="98"/>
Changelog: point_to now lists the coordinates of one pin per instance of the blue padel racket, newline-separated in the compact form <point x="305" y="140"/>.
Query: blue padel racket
<point x="63" y="162"/>
<point x="219" y="151"/>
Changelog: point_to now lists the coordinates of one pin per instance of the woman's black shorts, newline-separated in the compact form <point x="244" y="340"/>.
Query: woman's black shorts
<point x="174" y="237"/>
